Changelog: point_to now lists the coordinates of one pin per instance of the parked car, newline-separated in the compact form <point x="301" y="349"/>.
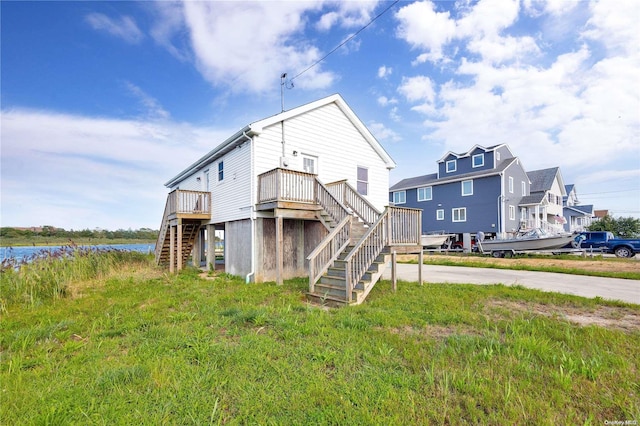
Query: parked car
<point x="606" y="242"/>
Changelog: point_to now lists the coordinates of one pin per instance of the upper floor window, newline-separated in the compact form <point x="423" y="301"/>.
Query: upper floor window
<point x="399" y="197"/>
<point x="467" y="187"/>
<point x="363" y="180"/>
<point x="510" y="184"/>
<point x="440" y="214"/>
<point x="309" y="163"/>
<point x="206" y="180"/>
<point x="220" y="171"/>
<point x="424" y="194"/>
<point x="451" y="166"/>
<point x="477" y="160"/>
<point x="524" y="188"/>
<point x="459" y="214"/>
<point x="497" y="155"/>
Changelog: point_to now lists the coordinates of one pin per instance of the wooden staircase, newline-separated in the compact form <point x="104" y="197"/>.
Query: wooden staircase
<point x="184" y="213"/>
<point x="348" y="263"/>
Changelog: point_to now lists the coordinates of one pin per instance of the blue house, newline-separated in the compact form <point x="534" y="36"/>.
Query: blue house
<point x="479" y="190"/>
<point x="578" y="217"/>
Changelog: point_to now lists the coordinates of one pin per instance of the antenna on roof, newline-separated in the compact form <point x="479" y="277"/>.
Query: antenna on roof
<point x="284" y="83"/>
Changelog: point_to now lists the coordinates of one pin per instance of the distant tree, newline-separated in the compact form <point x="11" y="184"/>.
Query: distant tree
<point x="626" y="227"/>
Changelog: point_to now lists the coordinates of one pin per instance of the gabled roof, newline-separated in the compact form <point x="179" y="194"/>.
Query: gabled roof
<point x="466" y="154"/>
<point x="432" y="179"/>
<point x="533" y="199"/>
<point x="257" y="127"/>
<point x="542" y="180"/>
<point x="586" y="209"/>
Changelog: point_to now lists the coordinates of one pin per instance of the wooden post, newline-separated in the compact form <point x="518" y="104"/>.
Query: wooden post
<point x="179" y="256"/>
<point x="211" y="246"/>
<point x="394" y="277"/>
<point x="279" y="249"/>
<point x="420" y="263"/>
<point x="197" y="249"/>
<point x="172" y="253"/>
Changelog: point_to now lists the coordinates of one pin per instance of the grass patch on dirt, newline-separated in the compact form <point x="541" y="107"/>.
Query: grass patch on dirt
<point x="145" y="347"/>
<point x="592" y="266"/>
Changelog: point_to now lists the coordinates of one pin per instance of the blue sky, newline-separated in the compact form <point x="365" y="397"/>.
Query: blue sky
<point x="103" y="102"/>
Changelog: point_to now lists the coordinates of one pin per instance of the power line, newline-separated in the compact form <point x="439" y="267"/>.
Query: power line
<point x="344" y="42"/>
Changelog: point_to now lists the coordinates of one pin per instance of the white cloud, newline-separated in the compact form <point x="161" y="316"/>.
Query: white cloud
<point x="419" y="88"/>
<point x="81" y="172"/>
<point x="348" y="14"/>
<point x="424" y="28"/>
<point x="152" y="108"/>
<point x="615" y="25"/>
<point x="246" y="46"/>
<point x="384" y="71"/>
<point x="383" y="133"/>
<point x="384" y="101"/>
<point x="124" y="28"/>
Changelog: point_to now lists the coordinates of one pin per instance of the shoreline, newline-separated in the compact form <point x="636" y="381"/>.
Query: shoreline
<point x="68" y="241"/>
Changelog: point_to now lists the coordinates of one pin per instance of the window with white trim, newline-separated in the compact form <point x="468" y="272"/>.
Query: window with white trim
<point x="467" y="188"/>
<point x="425" y="194"/>
<point x="524" y="188"/>
<point x="363" y="180"/>
<point x="477" y="160"/>
<point x="400" y="197"/>
<point x="451" y="166"/>
<point x="459" y="214"/>
<point x="512" y="212"/>
<point x="440" y="214"/>
<point x="510" y="184"/>
<point x="220" y="171"/>
<point x="309" y="163"/>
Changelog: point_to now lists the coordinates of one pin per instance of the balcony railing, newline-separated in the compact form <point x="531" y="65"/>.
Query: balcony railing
<point x="184" y="203"/>
<point x="286" y="185"/>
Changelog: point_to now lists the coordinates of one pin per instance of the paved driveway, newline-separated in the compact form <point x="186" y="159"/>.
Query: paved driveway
<point x="607" y="288"/>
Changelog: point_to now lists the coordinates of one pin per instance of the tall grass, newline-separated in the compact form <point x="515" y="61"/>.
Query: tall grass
<point x="46" y="274"/>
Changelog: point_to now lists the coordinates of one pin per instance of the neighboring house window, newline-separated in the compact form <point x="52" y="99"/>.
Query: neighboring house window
<point x="512" y="212"/>
<point x="459" y="214"/>
<point x="467" y="187"/>
<point x="363" y="180"/>
<point x="309" y="164"/>
<point x="451" y="166"/>
<point x="424" y="194"/>
<point x="220" y="171"/>
<point x="497" y="155"/>
<point x="523" y="214"/>
<point x="440" y="214"/>
<point x="510" y="184"/>
<point x="478" y="160"/>
<point x="399" y="197"/>
<point x="524" y="188"/>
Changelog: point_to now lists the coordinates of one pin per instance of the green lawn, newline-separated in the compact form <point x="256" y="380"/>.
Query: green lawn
<point x="139" y="346"/>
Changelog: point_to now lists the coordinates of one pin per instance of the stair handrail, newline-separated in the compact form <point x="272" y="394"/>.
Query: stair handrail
<point x="351" y="198"/>
<point x="396" y="226"/>
<point x="163" y="230"/>
<point x="364" y="253"/>
<point x="329" y="249"/>
<point x="328" y="201"/>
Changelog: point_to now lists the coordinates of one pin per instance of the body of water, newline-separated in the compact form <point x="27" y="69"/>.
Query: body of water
<point x="25" y="252"/>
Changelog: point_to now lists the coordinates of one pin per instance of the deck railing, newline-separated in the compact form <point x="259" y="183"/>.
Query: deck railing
<point x="348" y="196"/>
<point x="286" y="185"/>
<point x="395" y="226"/>
<point x="182" y="201"/>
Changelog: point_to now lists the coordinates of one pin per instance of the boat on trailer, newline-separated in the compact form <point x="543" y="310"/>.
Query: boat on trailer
<point x="533" y="240"/>
<point x="433" y="240"/>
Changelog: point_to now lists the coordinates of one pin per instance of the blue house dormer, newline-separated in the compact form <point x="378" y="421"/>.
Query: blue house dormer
<point x="477" y="159"/>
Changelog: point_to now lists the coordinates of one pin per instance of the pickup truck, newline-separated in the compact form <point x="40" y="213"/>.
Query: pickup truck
<point x="607" y="242"/>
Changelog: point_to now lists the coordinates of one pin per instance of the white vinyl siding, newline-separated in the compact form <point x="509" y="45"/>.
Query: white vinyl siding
<point x="399" y="197"/>
<point x="459" y="214"/>
<point x="467" y="188"/>
<point x="231" y="197"/>
<point x="330" y="136"/>
<point x="425" y="194"/>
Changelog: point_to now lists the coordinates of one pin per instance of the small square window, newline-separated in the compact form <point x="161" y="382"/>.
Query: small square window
<point x="477" y="160"/>
<point x="451" y="166"/>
